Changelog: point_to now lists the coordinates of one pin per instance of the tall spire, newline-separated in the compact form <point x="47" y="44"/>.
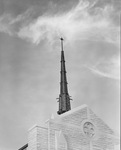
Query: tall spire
<point x="64" y="98"/>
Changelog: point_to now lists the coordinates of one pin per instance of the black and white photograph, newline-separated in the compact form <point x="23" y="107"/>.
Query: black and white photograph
<point x="60" y="74"/>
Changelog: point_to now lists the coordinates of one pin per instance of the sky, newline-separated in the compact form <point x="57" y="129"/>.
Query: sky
<point x="30" y="62"/>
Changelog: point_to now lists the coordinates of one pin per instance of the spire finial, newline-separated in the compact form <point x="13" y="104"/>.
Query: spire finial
<point x="64" y="98"/>
<point x="62" y="43"/>
<point x="61" y="39"/>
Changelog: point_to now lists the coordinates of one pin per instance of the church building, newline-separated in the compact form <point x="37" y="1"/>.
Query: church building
<point x="73" y="129"/>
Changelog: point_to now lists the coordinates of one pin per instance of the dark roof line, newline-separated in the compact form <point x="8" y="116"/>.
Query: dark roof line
<point x="23" y="147"/>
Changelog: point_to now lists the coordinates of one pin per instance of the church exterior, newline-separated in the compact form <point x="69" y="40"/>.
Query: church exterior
<point x="76" y="129"/>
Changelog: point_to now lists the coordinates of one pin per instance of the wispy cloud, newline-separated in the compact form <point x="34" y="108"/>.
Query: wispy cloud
<point x="4" y="24"/>
<point x="109" y="69"/>
<point x="11" y="25"/>
<point x="84" y="21"/>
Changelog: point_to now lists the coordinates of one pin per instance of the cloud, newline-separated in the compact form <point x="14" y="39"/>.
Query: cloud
<point x="4" y="24"/>
<point x="84" y="21"/>
<point x="76" y="24"/>
<point x="109" y="69"/>
<point x="11" y="25"/>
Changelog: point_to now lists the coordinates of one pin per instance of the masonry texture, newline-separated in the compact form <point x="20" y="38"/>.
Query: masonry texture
<point x="38" y="138"/>
<point x="83" y="130"/>
<point x="77" y="129"/>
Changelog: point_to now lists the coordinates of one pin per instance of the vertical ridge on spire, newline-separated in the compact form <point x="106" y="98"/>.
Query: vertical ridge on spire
<point x="64" y="98"/>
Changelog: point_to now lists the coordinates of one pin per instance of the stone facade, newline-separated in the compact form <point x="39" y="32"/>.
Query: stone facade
<point x="38" y="138"/>
<point x="77" y="129"/>
<point x="83" y="130"/>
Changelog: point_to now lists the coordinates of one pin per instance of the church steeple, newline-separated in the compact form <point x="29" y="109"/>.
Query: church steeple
<point x="64" y="98"/>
